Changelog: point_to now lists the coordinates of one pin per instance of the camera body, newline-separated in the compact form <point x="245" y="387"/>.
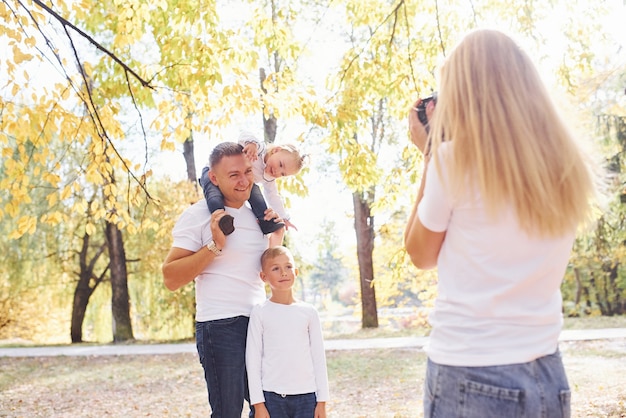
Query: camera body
<point x="421" y="109"/>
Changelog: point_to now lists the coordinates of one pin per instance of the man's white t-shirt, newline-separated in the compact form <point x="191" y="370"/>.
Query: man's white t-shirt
<point x="499" y="299"/>
<point x="230" y="285"/>
<point x="285" y="351"/>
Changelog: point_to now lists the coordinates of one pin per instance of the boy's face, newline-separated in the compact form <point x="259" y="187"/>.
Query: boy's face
<point x="279" y="272"/>
<point x="280" y="163"/>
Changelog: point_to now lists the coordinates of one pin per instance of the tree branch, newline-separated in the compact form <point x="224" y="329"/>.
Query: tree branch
<point x="92" y="41"/>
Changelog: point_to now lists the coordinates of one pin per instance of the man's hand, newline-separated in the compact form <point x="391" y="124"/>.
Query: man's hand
<point x="218" y="236"/>
<point x="270" y="215"/>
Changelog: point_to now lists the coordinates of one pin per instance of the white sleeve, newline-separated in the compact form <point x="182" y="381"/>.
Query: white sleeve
<point x="246" y="138"/>
<point x="254" y="355"/>
<point x="435" y="208"/>
<point x="319" y="357"/>
<point x="274" y="200"/>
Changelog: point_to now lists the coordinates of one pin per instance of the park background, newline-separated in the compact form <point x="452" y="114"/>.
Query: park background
<point x="108" y="111"/>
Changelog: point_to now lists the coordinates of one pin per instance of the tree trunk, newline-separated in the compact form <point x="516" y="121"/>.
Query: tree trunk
<point x="190" y="162"/>
<point x="596" y="291"/>
<point x="364" y="227"/>
<point x="578" y="286"/>
<point x="618" y="305"/>
<point x="84" y="288"/>
<point x="120" y="305"/>
<point x="269" y="123"/>
<point x="82" y="293"/>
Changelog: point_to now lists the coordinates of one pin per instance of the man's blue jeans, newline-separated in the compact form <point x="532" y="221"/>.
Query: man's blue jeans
<point x="221" y="347"/>
<point x="535" y="389"/>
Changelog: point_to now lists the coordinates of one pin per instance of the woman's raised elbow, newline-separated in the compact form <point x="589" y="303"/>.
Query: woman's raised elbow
<point x="423" y="254"/>
<point x="421" y="262"/>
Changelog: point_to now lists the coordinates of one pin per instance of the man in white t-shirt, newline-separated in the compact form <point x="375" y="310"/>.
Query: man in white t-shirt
<point x="226" y="272"/>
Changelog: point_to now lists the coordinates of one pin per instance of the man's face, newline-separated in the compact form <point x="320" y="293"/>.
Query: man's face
<point x="233" y="175"/>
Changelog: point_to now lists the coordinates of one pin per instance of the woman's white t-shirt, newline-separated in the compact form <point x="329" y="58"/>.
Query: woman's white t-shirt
<point x="499" y="299"/>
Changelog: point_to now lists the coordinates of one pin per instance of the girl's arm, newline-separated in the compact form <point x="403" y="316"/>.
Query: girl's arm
<point x="250" y="142"/>
<point x="274" y="200"/>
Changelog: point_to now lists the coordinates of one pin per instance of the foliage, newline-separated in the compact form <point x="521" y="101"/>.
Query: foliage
<point x="92" y="94"/>
<point x="329" y="271"/>
<point x="596" y="280"/>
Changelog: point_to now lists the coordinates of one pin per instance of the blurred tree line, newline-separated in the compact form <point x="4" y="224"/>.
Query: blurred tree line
<point x="92" y="94"/>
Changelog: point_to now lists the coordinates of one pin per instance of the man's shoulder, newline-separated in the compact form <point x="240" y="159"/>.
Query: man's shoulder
<point x="196" y="208"/>
<point x="196" y="212"/>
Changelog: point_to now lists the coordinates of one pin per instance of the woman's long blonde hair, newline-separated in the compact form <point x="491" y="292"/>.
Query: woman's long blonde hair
<point x="508" y="140"/>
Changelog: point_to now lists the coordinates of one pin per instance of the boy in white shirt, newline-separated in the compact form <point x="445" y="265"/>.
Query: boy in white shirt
<point x="285" y="358"/>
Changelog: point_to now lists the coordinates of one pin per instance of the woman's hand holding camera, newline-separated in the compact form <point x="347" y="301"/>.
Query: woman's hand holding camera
<point x="417" y="130"/>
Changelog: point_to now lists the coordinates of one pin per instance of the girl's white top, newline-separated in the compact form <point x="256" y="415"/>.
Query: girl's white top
<point x="499" y="299"/>
<point x="270" y="191"/>
<point x="285" y="351"/>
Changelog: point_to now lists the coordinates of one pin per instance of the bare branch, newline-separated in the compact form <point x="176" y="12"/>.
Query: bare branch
<point x="92" y="41"/>
<point x="443" y="48"/>
<point x="392" y="13"/>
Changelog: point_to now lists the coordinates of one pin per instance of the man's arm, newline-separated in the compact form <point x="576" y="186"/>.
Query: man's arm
<point x="182" y="266"/>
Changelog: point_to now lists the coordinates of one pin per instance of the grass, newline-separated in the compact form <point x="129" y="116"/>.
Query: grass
<point x="595" y="322"/>
<point x="364" y="383"/>
<point x="417" y="327"/>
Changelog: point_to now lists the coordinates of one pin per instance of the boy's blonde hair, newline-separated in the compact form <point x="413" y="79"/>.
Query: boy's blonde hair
<point x="273" y="252"/>
<point x="508" y="141"/>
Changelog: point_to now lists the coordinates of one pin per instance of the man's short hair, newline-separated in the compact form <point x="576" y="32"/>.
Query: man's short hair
<point x="224" y="149"/>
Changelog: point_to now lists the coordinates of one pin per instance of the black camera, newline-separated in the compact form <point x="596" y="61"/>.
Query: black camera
<point x="421" y="109"/>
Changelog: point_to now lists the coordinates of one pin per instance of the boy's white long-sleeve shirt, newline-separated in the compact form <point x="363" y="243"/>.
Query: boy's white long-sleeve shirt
<point x="285" y="351"/>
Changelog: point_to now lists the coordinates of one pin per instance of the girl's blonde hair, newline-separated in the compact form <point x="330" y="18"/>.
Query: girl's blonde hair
<point x="293" y="151"/>
<point x="508" y="140"/>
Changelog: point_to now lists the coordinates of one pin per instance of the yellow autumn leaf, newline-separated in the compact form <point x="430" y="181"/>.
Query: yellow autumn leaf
<point x="19" y="56"/>
<point x="26" y="224"/>
<point x="90" y="228"/>
<point x="67" y="191"/>
<point x="52" y="218"/>
<point x="52" y="198"/>
<point x="80" y="206"/>
<point x="132" y="229"/>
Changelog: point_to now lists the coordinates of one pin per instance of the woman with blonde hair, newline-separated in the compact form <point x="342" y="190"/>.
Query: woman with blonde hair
<point x="504" y="189"/>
